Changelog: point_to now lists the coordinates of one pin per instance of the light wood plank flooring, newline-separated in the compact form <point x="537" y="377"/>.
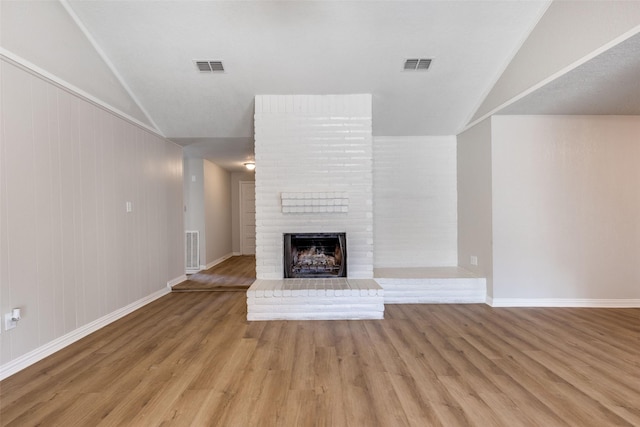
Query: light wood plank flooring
<point x="234" y="274"/>
<point x="191" y="359"/>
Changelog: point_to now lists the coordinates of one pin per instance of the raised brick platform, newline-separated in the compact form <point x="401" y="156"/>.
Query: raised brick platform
<point x="438" y="285"/>
<point x="315" y="299"/>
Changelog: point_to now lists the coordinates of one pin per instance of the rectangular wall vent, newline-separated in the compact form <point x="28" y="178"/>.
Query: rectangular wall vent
<point x="417" y="64"/>
<point x="210" y="66"/>
<point x="192" y="254"/>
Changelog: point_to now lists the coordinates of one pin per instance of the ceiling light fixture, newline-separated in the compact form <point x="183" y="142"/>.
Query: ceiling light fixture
<point x="250" y="165"/>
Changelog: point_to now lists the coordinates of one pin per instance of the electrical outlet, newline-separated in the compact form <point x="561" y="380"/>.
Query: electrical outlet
<point x="9" y="323"/>
<point x="473" y="260"/>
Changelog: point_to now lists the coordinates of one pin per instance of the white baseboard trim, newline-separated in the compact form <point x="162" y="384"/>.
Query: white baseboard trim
<point x="171" y="283"/>
<point x="237" y="253"/>
<point x="217" y="261"/>
<point x="563" y="302"/>
<point x="58" y="344"/>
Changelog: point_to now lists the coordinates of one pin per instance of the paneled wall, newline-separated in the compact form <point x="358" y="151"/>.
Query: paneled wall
<point x="43" y="33"/>
<point x="69" y="252"/>
<point x="414" y="201"/>
<point x="316" y="144"/>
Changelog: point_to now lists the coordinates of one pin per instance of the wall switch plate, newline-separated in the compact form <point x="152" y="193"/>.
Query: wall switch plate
<point x="473" y="260"/>
<point x="129" y="207"/>
<point x="9" y="323"/>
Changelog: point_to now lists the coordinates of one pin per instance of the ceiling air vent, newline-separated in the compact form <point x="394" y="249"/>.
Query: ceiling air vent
<point x="210" y="66"/>
<point x="418" y="64"/>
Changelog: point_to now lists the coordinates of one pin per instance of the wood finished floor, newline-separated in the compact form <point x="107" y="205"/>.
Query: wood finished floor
<point x="234" y="274"/>
<point x="191" y="359"/>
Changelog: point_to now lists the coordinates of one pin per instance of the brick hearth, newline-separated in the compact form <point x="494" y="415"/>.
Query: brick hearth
<point x="315" y="299"/>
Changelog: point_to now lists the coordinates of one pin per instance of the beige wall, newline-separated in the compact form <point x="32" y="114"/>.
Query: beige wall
<point x="69" y="252"/>
<point x="584" y="27"/>
<point x="474" y="201"/>
<point x="207" y="190"/>
<point x="217" y="212"/>
<point x="43" y="33"/>
<point x="566" y="207"/>
<point x="194" y="219"/>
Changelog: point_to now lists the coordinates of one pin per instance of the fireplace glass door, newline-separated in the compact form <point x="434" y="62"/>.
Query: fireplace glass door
<point x="315" y="255"/>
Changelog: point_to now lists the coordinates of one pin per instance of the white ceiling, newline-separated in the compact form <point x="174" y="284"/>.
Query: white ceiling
<point x="305" y="47"/>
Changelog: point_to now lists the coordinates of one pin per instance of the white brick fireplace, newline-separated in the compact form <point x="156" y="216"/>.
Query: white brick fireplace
<point x="314" y="174"/>
<point x="314" y="159"/>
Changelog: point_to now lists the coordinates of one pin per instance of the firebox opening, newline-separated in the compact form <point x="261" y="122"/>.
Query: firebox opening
<point x="315" y="255"/>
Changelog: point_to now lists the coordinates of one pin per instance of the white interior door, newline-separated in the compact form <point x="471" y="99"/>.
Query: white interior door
<point x="247" y="217"/>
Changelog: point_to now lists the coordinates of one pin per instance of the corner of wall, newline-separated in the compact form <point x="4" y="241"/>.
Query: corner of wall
<point x="475" y="199"/>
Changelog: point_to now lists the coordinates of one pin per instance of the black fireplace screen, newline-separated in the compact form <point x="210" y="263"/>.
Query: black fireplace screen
<point x="315" y="255"/>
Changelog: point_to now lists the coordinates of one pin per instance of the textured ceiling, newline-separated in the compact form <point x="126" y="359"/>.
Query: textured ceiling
<point x="607" y="84"/>
<point x="306" y="47"/>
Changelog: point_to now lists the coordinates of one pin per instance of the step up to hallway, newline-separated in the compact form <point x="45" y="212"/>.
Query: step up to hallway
<point x="315" y="299"/>
<point x="434" y="285"/>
